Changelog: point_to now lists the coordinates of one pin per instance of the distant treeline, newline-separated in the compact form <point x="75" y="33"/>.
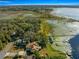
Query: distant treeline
<point x="23" y="8"/>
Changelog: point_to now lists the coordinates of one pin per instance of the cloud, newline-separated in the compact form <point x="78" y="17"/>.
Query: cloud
<point x="5" y="1"/>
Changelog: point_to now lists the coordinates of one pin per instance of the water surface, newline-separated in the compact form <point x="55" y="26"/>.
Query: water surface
<point x="75" y="46"/>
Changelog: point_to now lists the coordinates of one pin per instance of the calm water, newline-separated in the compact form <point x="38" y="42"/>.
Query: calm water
<point x="72" y="13"/>
<point x="75" y="46"/>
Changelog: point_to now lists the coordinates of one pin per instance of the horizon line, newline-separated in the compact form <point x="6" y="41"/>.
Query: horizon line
<point x="67" y="4"/>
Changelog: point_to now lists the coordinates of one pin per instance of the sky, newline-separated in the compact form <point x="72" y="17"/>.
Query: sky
<point x="39" y="2"/>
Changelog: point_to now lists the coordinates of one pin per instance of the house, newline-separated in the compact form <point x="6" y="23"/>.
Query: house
<point x="34" y="46"/>
<point x="21" y="54"/>
<point x="9" y="55"/>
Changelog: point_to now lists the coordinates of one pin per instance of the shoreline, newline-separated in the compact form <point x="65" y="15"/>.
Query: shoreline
<point x="73" y="29"/>
<point x="62" y="43"/>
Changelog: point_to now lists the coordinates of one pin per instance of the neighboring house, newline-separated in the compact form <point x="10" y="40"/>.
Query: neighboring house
<point x="21" y="54"/>
<point x="9" y="55"/>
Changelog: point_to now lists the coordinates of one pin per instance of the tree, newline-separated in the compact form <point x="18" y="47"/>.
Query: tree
<point x="1" y="45"/>
<point x="37" y="55"/>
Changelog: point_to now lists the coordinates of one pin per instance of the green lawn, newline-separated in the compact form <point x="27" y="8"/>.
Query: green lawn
<point x="54" y="54"/>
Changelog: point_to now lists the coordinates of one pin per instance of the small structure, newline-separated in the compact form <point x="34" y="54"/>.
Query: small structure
<point x="21" y="54"/>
